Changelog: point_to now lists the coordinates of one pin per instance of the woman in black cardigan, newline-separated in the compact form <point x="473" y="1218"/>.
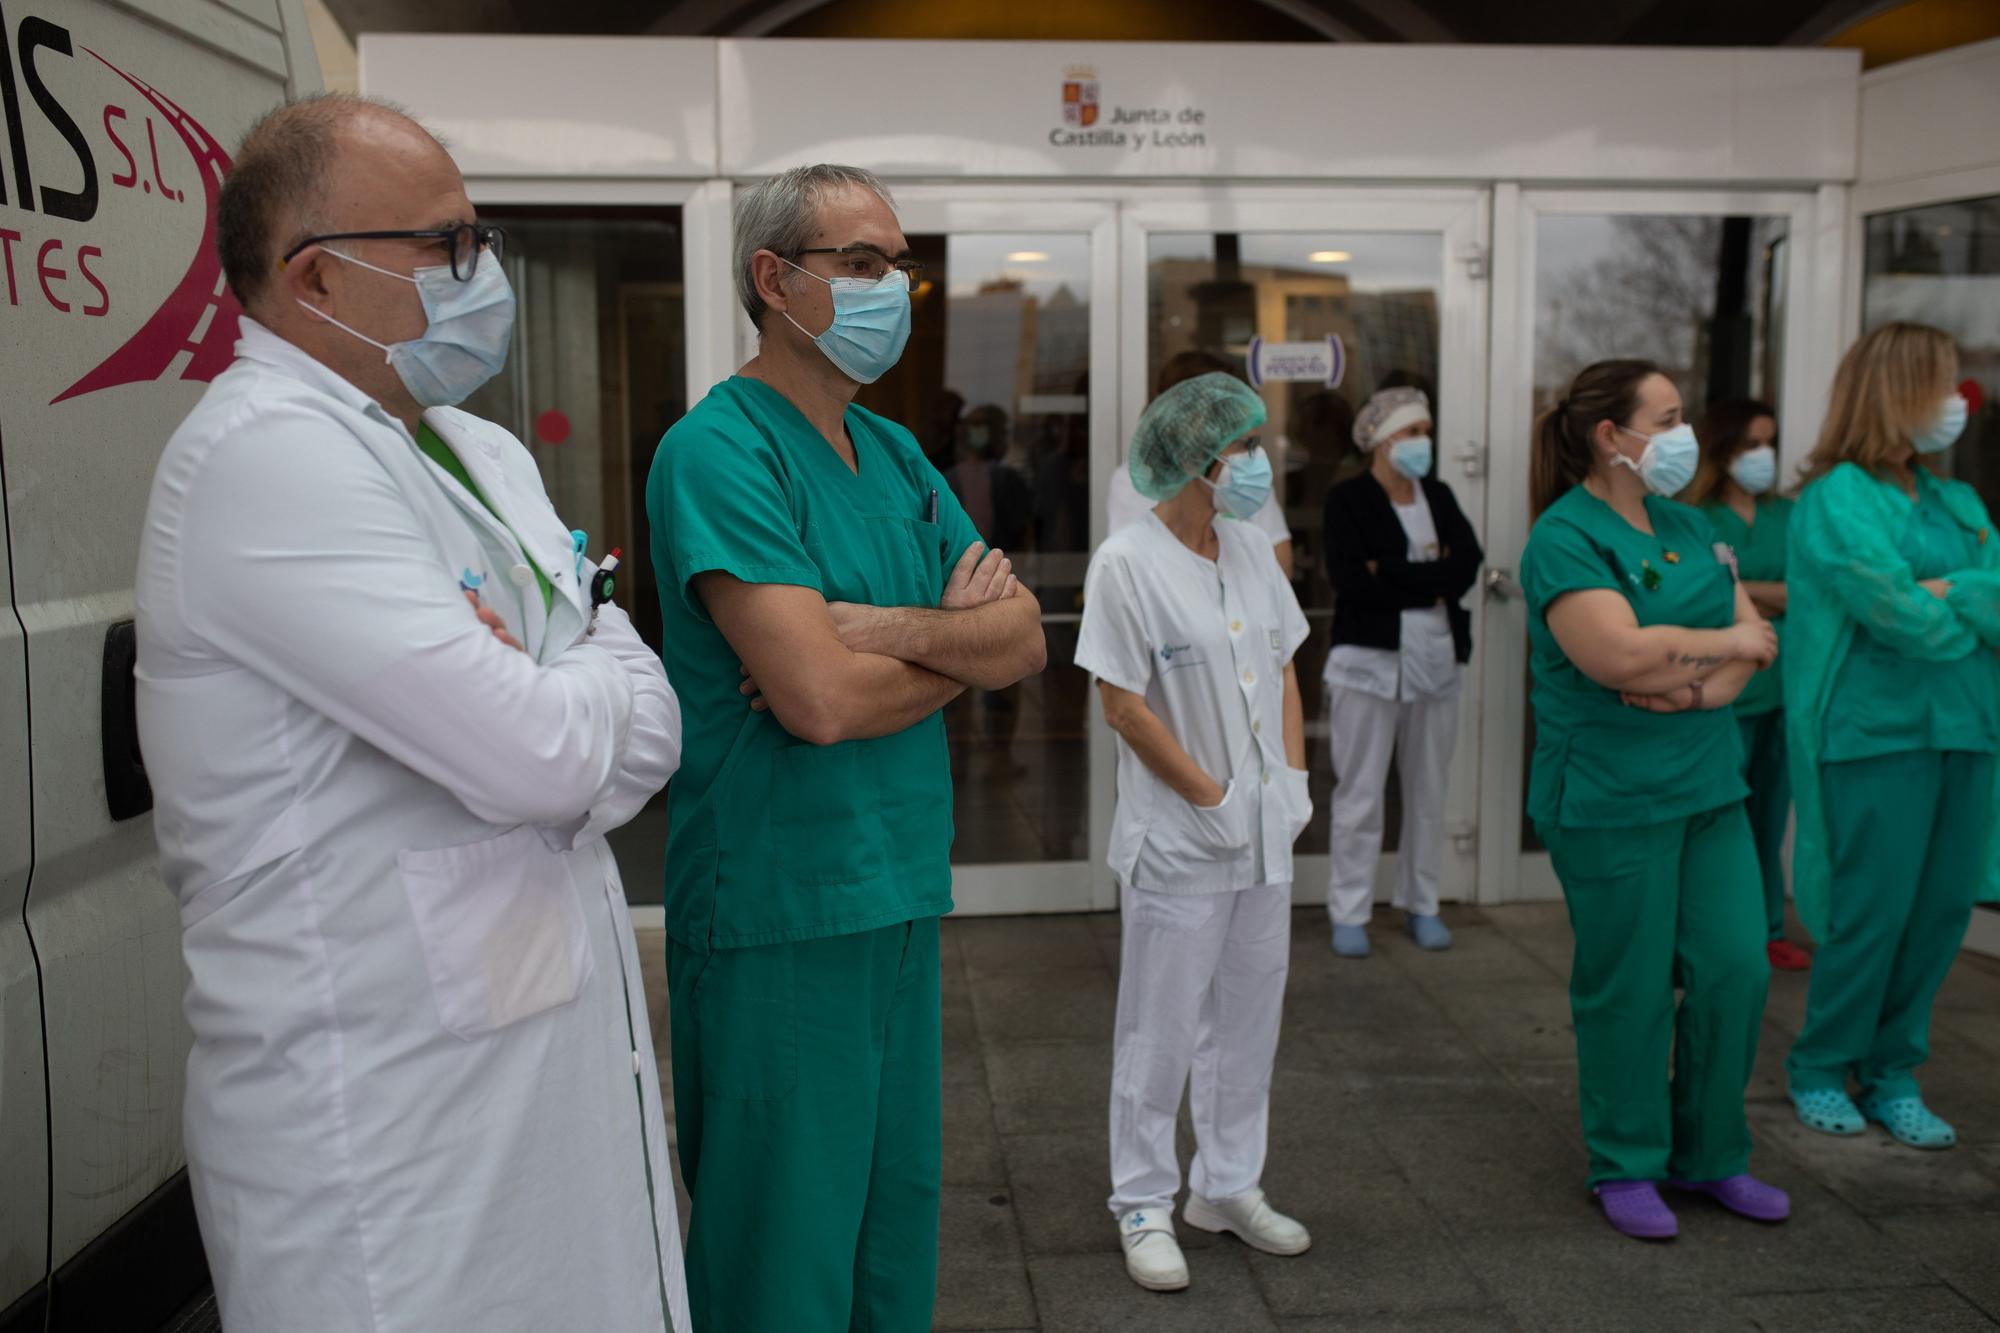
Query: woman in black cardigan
<point x="1401" y="556"/>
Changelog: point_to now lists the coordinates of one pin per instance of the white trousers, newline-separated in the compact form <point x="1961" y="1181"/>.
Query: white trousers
<point x="1363" y="731"/>
<point x="1201" y="988"/>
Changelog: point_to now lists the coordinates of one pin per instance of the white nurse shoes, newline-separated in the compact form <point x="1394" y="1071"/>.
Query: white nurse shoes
<point x="1152" y="1256"/>
<point x="1253" y="1220"/>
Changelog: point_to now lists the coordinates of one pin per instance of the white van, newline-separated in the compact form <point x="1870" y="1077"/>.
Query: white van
<point x="115" y="125"/>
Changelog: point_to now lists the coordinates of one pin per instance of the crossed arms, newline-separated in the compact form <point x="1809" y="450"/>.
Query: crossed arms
<point x="836" y="671"/>
<point x="1661" y="668"/>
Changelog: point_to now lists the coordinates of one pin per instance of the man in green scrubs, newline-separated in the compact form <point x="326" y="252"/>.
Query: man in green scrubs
<point x="823" y="597"/>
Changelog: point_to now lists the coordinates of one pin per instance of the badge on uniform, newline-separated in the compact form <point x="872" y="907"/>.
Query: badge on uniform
<point x="1725" y="555"/>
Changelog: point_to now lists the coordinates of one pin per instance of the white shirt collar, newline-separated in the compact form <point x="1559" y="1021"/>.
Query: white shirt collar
<point x="267" y="349"/>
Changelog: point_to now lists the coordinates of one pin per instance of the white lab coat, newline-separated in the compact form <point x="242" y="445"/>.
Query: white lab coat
<point x="1206" y="642"/>
<point x="422" y="1094"/>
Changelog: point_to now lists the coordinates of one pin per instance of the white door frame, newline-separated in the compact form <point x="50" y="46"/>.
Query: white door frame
<point x="1460" y="216"/>
<point x="1813" y="300"/>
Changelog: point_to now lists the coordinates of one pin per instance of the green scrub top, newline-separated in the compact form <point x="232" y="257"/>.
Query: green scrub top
<point x="1760" y="558"/>
<point x="1884" y="702"/>
<point x="1597" y="762"/>
<point x="442" y="454"/>
<point x="774" y="839"/>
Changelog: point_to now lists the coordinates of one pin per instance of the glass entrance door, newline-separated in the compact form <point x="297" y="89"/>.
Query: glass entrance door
<point x="1320" y="299"/>
<point x="1715" y="288"/>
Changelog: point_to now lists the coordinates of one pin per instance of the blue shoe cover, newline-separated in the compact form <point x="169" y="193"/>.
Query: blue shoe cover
<point x="1428" y="931"/>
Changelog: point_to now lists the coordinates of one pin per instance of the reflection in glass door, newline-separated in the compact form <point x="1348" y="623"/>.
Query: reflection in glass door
<point x="1398" y="285"/>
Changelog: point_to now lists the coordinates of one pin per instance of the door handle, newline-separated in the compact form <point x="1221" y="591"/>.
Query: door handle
<point x="1500" y="585"/>
<point x="126" y="788"/>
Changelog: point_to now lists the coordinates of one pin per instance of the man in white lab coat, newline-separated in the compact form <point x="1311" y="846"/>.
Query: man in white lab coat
<point x="387" y="730"/>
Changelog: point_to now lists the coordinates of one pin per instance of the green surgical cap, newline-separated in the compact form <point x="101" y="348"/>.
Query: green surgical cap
<point x="1183" y="430"/>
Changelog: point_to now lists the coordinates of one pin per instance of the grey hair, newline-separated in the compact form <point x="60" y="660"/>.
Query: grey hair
<point x="782" y="215"/>
<point x="275" y="194"/>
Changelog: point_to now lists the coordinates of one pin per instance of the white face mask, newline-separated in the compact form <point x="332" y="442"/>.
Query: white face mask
<point x="464" y="343"/>
<point x="1669" y="461"/>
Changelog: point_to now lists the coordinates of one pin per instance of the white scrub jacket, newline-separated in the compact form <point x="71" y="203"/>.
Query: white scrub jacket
<point x="422" y="1093"/>
<point x="1207" y="643"/>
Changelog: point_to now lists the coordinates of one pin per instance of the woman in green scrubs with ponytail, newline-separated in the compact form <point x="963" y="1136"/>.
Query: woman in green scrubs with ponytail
<point x="1641" y="639"/>
<point x="1894" y="698"/>
<point x="1737" y="488"/>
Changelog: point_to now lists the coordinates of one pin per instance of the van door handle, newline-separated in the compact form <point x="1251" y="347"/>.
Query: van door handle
<point x="127" y="791"/>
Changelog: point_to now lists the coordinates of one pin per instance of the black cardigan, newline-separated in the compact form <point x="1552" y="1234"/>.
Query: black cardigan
<point x="1361" y="525"/>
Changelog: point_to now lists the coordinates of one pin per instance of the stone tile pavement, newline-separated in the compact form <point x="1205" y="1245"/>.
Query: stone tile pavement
<point x="1424" y="1126"/>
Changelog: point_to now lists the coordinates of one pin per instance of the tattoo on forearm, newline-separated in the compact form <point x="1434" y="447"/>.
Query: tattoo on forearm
<point x="1700" y="663"/>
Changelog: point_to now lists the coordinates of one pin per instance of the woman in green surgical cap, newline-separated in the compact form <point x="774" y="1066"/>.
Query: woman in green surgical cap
<point x="1641" y="639"/>
<point x="1737" y="488"/>
<point x="1893" y="693"/>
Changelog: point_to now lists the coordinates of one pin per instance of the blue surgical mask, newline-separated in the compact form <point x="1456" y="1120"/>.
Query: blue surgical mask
<point x="1245" y="485"/>
<point x="1668" y="463"/>
<point x="1755" y="469"/>
<point x="871" y="323"/>
<point x="1945" y="427"/>
<point x="465" y="342"/>
<point x="1412" y="457"/>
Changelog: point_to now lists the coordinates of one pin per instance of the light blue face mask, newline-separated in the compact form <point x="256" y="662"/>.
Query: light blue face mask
<point x="1945" y="428"/>
<point x="464" y="344"/>
<point x="871" y="323"/>
<point x="1245" y="485"/>
<point x="1668" y="463"/>
<point x="1755" y="469"/>
<point x="1412" y="457"/>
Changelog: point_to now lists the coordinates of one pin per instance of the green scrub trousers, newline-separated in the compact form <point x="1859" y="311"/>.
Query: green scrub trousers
<point x="1656" y="907"/>
<point x="1907" y="837"/>
<point x="1767" y="770"/>
<point x="816" y="1178"/>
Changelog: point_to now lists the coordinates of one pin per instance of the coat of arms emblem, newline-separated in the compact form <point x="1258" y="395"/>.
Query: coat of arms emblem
<point x="1080" y="96"/>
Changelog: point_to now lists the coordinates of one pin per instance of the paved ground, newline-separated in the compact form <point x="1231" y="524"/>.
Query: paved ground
<point x="1424" y="1126"/>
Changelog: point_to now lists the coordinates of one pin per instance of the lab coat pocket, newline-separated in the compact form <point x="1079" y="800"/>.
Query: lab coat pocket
<point x="502" y="929"/>
<point x="1297" y="786"/>
<point x="1220" y="832"/>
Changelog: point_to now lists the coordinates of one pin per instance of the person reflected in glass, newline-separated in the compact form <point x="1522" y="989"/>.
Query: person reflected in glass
<point x="940" y="440"/>
<point x="997" y="500"/>
<point x="1640" y="641"/>
<point x="1189" y="629"/>
<point x="1401" y="557"/>
<point x="1894" y="704"/>
<point x="1736" y="486"/>
<point x="995" y="497"/>
<point x="1127" y="506"/>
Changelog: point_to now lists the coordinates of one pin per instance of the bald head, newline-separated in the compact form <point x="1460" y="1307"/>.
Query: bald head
<point x="295" y="174"/>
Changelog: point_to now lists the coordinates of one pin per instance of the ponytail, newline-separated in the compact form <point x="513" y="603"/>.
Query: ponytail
<point x="1563" y="455"/>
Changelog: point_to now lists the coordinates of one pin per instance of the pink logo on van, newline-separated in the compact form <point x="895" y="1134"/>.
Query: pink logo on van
<point x="199" y="316"/>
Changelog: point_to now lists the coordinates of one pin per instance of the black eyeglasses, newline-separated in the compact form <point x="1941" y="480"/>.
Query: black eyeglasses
<point x="463" y="243"/>
<point x="859" y="261"/>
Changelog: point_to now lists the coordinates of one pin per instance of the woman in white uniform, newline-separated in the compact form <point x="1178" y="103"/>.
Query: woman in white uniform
<point x="1189" y="628"/>
<point x="1401" y="557"/>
